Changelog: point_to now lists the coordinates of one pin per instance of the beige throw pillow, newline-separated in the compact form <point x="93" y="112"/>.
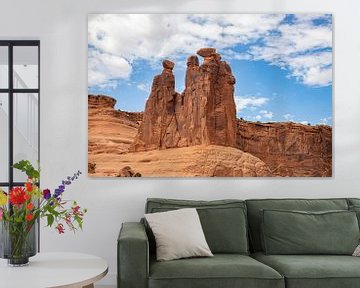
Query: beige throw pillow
<point x="357" y="251"/>
<point x="178" y="234"/>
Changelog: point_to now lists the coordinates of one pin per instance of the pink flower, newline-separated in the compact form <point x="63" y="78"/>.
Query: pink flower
<point x="60" y="228"/>
<point x="76" y="210"/>
<point x="1" y="213"/>
<point x="68" y="219"/>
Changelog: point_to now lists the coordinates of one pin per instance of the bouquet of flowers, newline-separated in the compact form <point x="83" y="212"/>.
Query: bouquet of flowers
<point x="23" y="206"/>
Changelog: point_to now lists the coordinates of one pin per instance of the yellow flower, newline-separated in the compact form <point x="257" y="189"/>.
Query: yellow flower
<point x="3" y="198"/>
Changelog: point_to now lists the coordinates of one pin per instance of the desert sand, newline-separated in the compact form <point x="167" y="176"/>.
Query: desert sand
<point x="205" y="161"/>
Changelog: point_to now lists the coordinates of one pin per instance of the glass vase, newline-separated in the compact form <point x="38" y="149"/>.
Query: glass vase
<point x="18" y="242"/>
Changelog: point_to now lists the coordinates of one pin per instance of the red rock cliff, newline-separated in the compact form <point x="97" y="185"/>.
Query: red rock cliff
<point x="289" y="149"/>
<point x="109" y="130"/>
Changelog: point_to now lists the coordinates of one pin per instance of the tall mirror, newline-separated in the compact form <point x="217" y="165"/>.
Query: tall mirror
<point x="19" y="108"/>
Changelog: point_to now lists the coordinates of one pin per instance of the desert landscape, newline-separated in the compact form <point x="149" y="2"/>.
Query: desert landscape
<point x="197" y="132"/>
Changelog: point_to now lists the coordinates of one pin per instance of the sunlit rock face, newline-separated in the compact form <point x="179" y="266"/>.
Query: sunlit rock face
<point x="203" y="114"/>
<point x="289" y="149"/>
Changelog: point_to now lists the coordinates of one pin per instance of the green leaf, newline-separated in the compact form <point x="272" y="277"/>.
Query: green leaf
<point x="79" y="221"/>
<point x="26" y="167"/>
<point x="52" y="211"/>
<point x="50" y="219"/>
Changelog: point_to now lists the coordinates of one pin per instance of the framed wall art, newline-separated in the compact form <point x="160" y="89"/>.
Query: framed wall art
<point x="210" y="95"/>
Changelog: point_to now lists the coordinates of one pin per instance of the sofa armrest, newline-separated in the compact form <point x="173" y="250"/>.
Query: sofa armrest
<point x="133" y="256"/>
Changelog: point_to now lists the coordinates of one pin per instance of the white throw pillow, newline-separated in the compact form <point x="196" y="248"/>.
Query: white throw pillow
<point x="357" y="251"/>
<point x="178" y="234"/>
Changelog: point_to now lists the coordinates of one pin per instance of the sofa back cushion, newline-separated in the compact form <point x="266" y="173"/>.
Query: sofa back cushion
<point x="223" y="221"/>
<point x="354" y="205"/>
<point x="353" y="201"/>
<point x="298" y="232"/>
<point x="255" y="206"/>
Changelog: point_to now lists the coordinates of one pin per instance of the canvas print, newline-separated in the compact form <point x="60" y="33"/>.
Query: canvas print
<point x="210" y="95"/>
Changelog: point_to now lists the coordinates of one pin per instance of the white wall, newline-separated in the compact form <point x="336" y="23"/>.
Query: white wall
<point x="62" y="28"/>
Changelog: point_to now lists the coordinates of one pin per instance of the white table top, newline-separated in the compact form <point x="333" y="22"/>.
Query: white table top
<point x="45" y="270"/>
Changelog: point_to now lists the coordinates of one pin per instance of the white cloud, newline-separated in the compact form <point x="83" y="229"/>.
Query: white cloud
<point x="108" y="84"/>
<point x="152" y="37"/>
<point x="103" y="68"/>
<point x="257" y="117"/>
<point x="267" y="114"/>
<point x="325" y="120"/>
<point x="300" y="47"/>
<point x="143" y="87"/>
<point x="305" y="122"/>
<point x="289" y="117"/>
<point x="249" y="102"/>
<point x="317" y="76"/>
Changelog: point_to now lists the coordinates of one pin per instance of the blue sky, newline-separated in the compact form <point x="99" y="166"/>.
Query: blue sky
<point x="282" y="63"/>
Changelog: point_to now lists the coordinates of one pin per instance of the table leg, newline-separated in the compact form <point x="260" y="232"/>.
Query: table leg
<point x="89" y="286"/>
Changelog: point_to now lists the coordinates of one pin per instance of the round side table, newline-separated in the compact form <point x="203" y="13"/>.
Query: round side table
<point x="50" y="270"/>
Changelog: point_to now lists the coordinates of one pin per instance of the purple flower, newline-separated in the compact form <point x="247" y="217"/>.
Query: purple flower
<point x="46" y="194"/>
<point x="64" y="183"/>
<point x="57" y="193"/>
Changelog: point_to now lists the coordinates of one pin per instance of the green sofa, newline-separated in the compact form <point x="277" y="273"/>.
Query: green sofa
<point x="233" y="230"/>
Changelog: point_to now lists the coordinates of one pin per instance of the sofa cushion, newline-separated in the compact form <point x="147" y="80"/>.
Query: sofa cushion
<point x="222" y="270"/>
<point x="313" y="271"/>
<point x="254" y="217"/>
<point x="223" y="221"/>
<point x="297" y="232"/>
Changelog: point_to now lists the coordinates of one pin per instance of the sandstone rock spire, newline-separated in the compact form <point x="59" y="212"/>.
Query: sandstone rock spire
<point x="158" y="128"/>
<point x="204" y="114"/>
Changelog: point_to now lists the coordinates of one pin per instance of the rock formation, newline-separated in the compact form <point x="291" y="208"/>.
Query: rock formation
<point x="272" y="149"/>
<point x="91" y="168"/>
<point x="158" y="128"/>
<point x="128" y="172"/>
<point x="102" y="108"/>
<point x="110" y="132"/>
<point x="289" y="149"/>
<point x="203" y="114"/>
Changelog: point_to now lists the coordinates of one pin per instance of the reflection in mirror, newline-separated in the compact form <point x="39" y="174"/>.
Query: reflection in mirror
<point x="26" y="130"/>
<point x="4" y="137"/>
<point x="4" y="67"/>
<point x="26" y="74"/>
